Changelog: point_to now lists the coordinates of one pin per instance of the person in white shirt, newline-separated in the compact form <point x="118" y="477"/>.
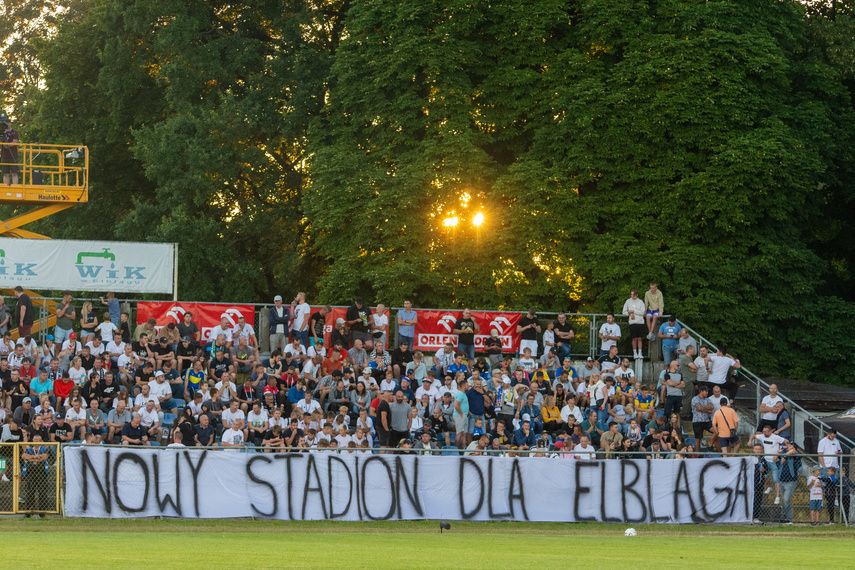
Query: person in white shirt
<point x="380" y="325"/>
<point x="127" y="364"/>
<point x="244" y="330"/>
<point x="443" y="358"/>
<point x="163" y="392"/>
<point x="427" y="388"/>
<point x="225" y="329"/>
<point x="717" y="398"/>
<point x="76" y="418"/>
<point x="301" y="312"/>
<point x="828" y="450"/>
<point x="308" y="405"/>
<point x="343" y="438"/>
<point x="770" y="407"/>
<point x="772" y="446"/>
<point x="256" y="422"/>
<point x="143" y="397"/>
<point x="634" y="309"/>
<point x="149" y="419"/>
<point x="701" y="367"/>
<point x="584" y="450"/>
<point x="235" y="436"/>
<point x="317" y="349"/>
<point x="609" y="334"/>
<point x="115" y="348"/>
<point x="96" y="347"/>
<point x="227" y="389"/>
<point x="176" y="440"/>
<point x="107" y="330"/>
<point x="69" y="342"/>
<point x="296" y="349"/>
<point x="571" y="409"/>
<point x="232" y="414"/>
<point x="719" y="364"/>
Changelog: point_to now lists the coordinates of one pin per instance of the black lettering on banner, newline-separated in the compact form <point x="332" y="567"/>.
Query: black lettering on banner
<point x="516" y="477"/>
<point x="391" y="486"/>
<point x="628" y="488"/>
<point x="460" y="493"/>
<point x="260" y="481"/>
<point x="650" y="501"/>
<point x="412" y="496"/>
<point x="139" y="461"/>
<point x="741" y="489"/>
<point x="490" y="487"/>
<point x="356" y="488"/>
<point x="167" y="499"/>
<point x="86" y="466"/>
<point x="195" y="470"/>
<point x="580" y="490"/>
<point x="683" y="474"/>
<point x="603" y="488"/>
<point x="288" y="457"/>
<point x="330" y="460"/>
<point x="310" y="469"/>
<point x="712" y="517"/>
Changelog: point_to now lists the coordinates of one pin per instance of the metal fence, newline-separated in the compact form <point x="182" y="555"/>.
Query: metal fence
<point x="31" y="478"/>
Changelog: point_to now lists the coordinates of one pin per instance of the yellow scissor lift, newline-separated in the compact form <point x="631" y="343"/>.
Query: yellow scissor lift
<point x="52" y="178"/>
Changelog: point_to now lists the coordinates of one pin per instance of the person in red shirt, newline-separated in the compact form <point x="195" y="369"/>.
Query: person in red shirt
<point x="27" y="371"/>
<point x="62" y="389"/>
<point x="333" y="362"/>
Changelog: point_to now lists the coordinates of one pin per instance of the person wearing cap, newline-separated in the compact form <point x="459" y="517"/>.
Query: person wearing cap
<point x="186" y="354"/>
<point x="702" y="410"/>
<point x="340" y="335"/>
<point x="427" y="389"/>
<point x="424" y="444"/>
<point x="161" y="390"/>
<point x="9" y="150"/>
<point x="591" y="366"/>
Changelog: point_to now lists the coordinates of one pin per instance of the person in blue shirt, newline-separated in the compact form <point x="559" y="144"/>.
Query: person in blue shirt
<point x="533" y="411"/>
<point x="566" y="366"/>
<point x="458" y="366"/>
<point x="669" y="333"/>
<point x="524" y="437"/>
<point x="113" y="308"/>
<point x="297" y="392"/>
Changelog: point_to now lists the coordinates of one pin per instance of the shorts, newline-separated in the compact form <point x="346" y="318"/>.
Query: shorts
<point x="652" y="313"/>
<point x="9" y="168"/>
<point x="637" y="331"/>
<point x="728" y="441"/>
<point x="700" y="427"/>
<point x="532" y="344"/>
<point x="816" y="504"/>
<point x="775" y="470"/>
<point x="383" y="438"/>
<point x="461" y="423"/>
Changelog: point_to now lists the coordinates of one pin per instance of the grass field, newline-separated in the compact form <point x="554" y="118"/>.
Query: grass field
<point x="96" y="543"/>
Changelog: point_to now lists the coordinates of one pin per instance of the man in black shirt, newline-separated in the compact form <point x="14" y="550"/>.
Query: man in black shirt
<point x="383" y="426"/>
<point x="86" y="358"/>
<point x="143" y="349"/>
<point x="109" y="391"/>
<point x="357" y="319"/>
<point x="529" y="327"/>
<point x="401" y="356"/>
<point x="564" y="333"/>
<point x="163" y="352"/>
<point x="60" y="432"/>
<point x="204" y="432"/>
<point x="23" y="313"/>
<point x="317" y="322"/>
<point x="220" y="365"/>
<point x="133" y="433"/>
<point x="142" y="376"/>
<point x="465" y="329"/>
<point x="609" y="363"/>
<point x="186" y="352"/>
<point x="187" y="328"/>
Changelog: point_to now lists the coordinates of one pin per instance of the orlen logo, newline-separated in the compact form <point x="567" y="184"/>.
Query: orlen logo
<point x="232" y="315"/>
<point x="497" y="324"/>
<point x="447" y="322"/>
<point x="176" y="313"/>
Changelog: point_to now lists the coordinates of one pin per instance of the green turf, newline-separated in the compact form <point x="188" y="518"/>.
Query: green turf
<point x="262" y="544"/>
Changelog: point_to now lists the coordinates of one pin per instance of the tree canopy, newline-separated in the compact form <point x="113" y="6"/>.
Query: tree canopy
<point x="506" y="154"/>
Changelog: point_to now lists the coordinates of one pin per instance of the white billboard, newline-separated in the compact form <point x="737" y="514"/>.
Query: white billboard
<point x="87" y="265"/>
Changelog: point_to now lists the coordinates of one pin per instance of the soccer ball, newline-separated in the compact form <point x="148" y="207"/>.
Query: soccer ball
<point x="630" y="532"/>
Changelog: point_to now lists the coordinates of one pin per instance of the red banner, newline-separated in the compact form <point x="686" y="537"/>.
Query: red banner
<point x="205" y="315"/>
<point x="434" y="329"/>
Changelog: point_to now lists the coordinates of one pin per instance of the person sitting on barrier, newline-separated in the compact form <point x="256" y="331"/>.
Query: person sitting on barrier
<point x="116" y="420"/>
<point x="772" y="444"/>
<point x="133" y="433"/>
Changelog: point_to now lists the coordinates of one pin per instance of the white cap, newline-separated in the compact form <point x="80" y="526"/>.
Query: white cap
<point x="158" y="374"/>
<point x="526" y="418"/>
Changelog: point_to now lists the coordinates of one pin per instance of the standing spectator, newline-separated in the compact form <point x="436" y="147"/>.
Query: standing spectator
<point x="772" y="444"/>
<point x="685" y="341"/>
<point x="725" y="421"/>
<point x="493" y="348"/>
<point x="720" y="364"/>
<point x="23" y="312"/>
<point x="401" y="414"/>
<point x="188" y="329"/>
<point x="383" y="426"/>
<point x="761" y="470"/>
<point x="528" y="328"/>
<point x="548" y="341"/>
<point x="655" y="305"/>
<point x="278" y="316"/>
<point x="770" y="407"/>
<point x="783" y="424"/>
<point x="5" y="316"/>
<point x="701" y="367"/>
<point x="814" y="485"/>
<point x="609" y="335"/>
<point x="461" y="413"/>
<point x="407" y="320"/>
<point x="9" y="151"/>
<point x="380" y="327"/>
<point x="317" y="322"/>
<point x="702" y="410"/>
<point x="828" y="449"/>
<point x="358" y="316"/>
<point x="669" y="332"/>
<point x="301" y="312"/>
<point x="564" y="333"/>
<point x="465" y="328"/>
<point x="790" y="467"/>
<point x="634" y="309"/>
<point x="113" y="308"/>
<point x="674" y="385"/>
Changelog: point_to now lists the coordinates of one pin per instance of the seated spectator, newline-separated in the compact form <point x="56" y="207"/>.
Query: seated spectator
<point x="133" y="433"/>
<point x="116" y="420"/>
<point x="524" y="437"/>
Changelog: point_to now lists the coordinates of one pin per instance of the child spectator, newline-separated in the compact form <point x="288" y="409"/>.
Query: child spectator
<point x="815" y="486"/>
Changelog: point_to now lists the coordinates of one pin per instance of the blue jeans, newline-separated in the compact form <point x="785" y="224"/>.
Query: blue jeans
<point x="467" y="349"/>
<point x="472" y="418"/>
<point x="407" y="339"/>
<point x="172" y="403"/>
<point x="60" y="335"/>
<point x="303" y="336"/>
<point x="788" y="488"/>
<point x="669" y="353"/>
<point x="563" y="350"/>
<point x="603" y="415"/>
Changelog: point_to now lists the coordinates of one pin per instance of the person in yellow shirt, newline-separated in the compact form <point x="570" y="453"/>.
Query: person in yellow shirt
<point x="550" y="414"/>
<point x="654" y="305"/>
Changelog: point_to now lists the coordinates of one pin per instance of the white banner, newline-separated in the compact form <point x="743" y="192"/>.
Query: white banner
<point x="86" y="265"/>
<point x="195" y="483"/>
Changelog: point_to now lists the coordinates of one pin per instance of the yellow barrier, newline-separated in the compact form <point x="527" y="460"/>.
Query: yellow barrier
<point x="31" y="478"/>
